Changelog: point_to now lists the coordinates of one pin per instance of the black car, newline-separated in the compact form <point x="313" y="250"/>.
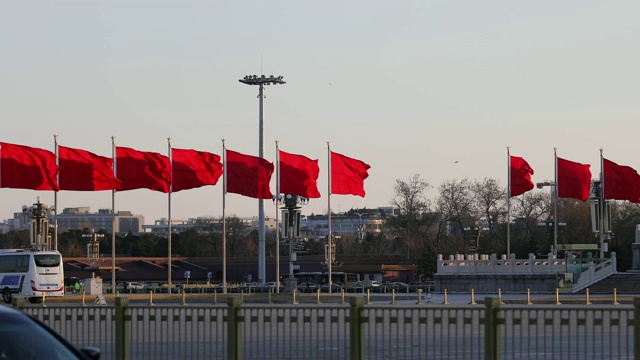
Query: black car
<point x="25" y="338"/>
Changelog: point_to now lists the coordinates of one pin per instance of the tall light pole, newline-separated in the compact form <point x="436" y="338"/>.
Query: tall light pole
<point x="261" y="81"/>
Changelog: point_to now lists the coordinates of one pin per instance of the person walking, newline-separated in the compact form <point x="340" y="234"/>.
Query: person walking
<point x="76" y="288"/>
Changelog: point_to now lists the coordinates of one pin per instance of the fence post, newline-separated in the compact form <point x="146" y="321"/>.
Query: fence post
<point x="357" y="328"/>
<point x="17" y="302"/>
<point x="491" y="329"/>
<point x="234" y="329"/>
<point x="636" y="328"/>
<point x="123" y="328"/>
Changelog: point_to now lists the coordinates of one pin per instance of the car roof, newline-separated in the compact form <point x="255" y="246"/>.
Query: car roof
<point x="5" y="310"/>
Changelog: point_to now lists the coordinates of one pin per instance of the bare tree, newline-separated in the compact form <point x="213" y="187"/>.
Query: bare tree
<point x="457" y="206"/>
<point x="411" y="225"/>
<point x="527" y="210"/>
<point x="489" y="199"/>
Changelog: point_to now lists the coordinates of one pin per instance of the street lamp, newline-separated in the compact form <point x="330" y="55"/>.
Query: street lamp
<point x="552" y="185"/>
<point x="477" y="234"/>
<point x="261" y="81"/>
<point x="291" y="222"/>
<point x="93" y="248"/>
<point x="360" y="228"/>
<point x="39" y="230"/>
<point x="552" y="228"/>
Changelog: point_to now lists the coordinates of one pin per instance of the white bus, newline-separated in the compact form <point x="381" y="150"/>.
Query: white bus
<point x="31" y="274"/>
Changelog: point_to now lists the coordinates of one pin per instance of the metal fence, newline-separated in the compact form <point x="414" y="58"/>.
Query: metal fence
<point x="357" y="330"/>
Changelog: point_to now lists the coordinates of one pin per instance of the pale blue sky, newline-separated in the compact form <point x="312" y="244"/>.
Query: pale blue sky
<point x="406" y="86"/>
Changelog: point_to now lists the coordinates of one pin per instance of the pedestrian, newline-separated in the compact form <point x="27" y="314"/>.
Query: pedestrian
<point x="76" y="288"/>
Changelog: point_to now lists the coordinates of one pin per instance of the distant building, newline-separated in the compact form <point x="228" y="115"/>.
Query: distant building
<point x="357" y="223"/>
<point x="203" y="224"/>
<point x="80" y="218"/>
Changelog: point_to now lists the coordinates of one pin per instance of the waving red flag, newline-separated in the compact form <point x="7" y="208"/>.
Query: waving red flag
<point x="24" y="167"/>
<point x="81" y="170"/>
<point x="520" y="176"/>
<point x="248" y="175"/>
<point x="193" y="169"/>
<point x="142" y="170"/>
<point x="299" y="175"/>
<point x="620" y="182"/>
<point x="574" y="180"/>
<point x="347" y="175"/>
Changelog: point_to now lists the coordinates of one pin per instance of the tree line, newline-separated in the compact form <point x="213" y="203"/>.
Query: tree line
<point x="465" y="216"/>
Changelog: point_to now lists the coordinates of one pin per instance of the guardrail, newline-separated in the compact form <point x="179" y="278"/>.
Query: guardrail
<point x="356" y="330"/>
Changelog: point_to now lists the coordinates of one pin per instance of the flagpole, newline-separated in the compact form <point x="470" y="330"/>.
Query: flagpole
<point x="555" y="205"/>
<point x="602" y="206"/>
<point x="113" y="218"/>
<point x="330" y="233"/>
<point x="169" y="285"/>
<point x="224" y="218"/>
<point x="277" y="218"/>
<point x="55" y="196"/>
<point x="508" y="204"/>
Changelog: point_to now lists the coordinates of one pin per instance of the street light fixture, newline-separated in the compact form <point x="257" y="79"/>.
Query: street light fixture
<point x="93" y="248"/>
<point x="261" y="81"/>
<point x="39" y="229"/>
<point x="291" y="222"/>
<point x="552" y="227"/>
<point x="478" y="231"/>
<point x="552" y="185"/>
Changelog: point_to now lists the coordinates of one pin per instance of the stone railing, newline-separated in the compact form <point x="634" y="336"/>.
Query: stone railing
<point x="592" y="272"/>
<point x="485" y="264"/>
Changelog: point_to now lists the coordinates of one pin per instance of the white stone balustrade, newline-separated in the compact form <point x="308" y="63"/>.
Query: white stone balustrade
<point x="485" y="264"/>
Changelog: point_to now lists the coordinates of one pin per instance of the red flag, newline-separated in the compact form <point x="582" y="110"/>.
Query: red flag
<point x="620" y="182"/>
<point x="142" y="170"/>
<point x="520" y="176"/>
<point x="193" y="169"/>
<point x="347" y="175"/>
<point x="248" y="175"/>
<point x="81" y="170"/>
<point x="299" y="175"/>
<point x="25" y="167"/>
<point x="574" y="180"/>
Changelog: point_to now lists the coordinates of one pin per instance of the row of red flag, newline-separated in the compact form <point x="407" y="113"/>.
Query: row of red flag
<point x="25" y="167"/>
<point x="573" y="180"/>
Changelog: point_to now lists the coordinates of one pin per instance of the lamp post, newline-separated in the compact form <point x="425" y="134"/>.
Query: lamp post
<point x="360" y="228"/>
<point x="552" y="228"/>
<point x="39" y="230"/>
<point x="601" y="216"/>
<point x="477" y="234"/>
<point x="93" y="249"/>
<point x="554" y="198"/>
<point x="291" y="223"/>
<point x="261" y="81"/>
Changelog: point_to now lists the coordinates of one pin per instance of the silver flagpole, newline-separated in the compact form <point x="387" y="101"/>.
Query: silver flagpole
<point x="113" y="218"/>
<point x="330" y="232"/>
<point x="277" y="198"/>
<point x="555" y="206"/>
<point x="508" y="204"/>
<point x="55" y="196"/>
<point x="603" y="206"/>
<point x="169" y="268"/>
<point x="224" y="218"/>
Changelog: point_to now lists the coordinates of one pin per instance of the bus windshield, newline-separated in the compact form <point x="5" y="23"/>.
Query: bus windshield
<point x="51" y="260"/>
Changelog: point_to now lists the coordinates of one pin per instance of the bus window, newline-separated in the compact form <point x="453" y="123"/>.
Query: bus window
<point x="14" y="263"/>
<point x="47" y="260"/>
